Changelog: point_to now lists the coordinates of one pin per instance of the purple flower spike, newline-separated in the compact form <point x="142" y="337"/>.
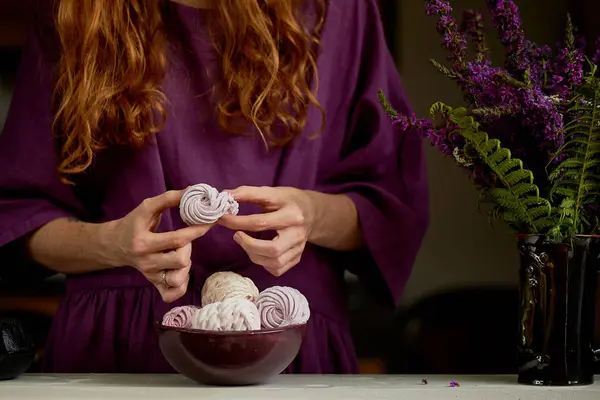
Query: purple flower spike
<point x="568" y="68"/>
<point x="472" y="25"/>
<point x="441" y="138"/>
<point x="507" y="20"/>
<point x="452" y="39"/>
<point x="539" y="60"/>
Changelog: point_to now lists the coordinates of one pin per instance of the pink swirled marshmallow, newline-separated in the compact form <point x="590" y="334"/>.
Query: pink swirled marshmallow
<point x="203" y="204"/>
<point x="179" y="317"/>
<point x="281" y="306"/>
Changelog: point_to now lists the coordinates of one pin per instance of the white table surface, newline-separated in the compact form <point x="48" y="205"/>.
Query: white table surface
<point x="322" y="387"/>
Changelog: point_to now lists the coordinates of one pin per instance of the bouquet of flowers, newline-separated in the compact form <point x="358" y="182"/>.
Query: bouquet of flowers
<point x="529" y="133"/>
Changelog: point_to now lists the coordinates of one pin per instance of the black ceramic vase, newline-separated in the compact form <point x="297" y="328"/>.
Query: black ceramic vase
<point x="557" y="310"/>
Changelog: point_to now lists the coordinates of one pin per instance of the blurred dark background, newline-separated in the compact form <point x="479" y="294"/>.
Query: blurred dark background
<point x="460" y="310"/>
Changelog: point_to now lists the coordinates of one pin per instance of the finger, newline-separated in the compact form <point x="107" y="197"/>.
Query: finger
<point x="172" y="294"/>
<point x="186" y="251"/>
<point x="258" y="259"/>
<point x="155" y="222"/>
<point x="169" y="277"/>
<point x="294" y="260"/>
<point x="272" y="264"/>
<point x="277" y="272"/>
<point x="176" y="277"/>
<point x="286" y="239"/>
<point x="162" y="202"/>
<point x="157" y="242"/>
<point x="154" y="264"/>
<point x="276" y="262"/>
<point x="291" y="264"/>
<point x="264" y="195"/>
<point x="276" y="220"/>
<point x="285" y="263"/>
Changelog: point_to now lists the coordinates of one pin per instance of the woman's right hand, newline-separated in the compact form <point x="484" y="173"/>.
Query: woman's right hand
<point x="164" y="258"/>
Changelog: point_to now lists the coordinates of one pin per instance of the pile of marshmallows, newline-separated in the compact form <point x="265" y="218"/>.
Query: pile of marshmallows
<point x="231" y="302"/>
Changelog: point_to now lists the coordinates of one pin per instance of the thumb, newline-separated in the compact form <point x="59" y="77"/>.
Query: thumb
<point x="162" y="202"/>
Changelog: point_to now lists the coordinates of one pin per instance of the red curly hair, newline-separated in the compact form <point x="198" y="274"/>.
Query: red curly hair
<point x="113" y="61"/>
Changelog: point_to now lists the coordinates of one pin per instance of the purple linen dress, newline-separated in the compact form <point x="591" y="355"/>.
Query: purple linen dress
<point x="105" y="322"/>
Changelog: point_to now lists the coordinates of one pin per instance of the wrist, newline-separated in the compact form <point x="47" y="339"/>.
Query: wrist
<point x="106" y="235"/>
<point x="335" y="223"/>
<point x="314" y="214"/>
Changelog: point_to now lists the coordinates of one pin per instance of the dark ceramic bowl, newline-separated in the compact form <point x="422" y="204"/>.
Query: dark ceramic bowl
<point x="230" y="358"/>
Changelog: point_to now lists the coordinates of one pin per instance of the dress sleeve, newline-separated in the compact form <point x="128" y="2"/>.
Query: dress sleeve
<point x="381" y="168"/>
<point x="31" y="193"/>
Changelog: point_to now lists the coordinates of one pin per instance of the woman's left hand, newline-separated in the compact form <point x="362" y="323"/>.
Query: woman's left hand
<point x="288" y="211"/>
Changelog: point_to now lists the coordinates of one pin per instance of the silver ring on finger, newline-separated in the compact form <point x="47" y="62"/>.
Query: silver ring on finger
<point x="164" y="278"/>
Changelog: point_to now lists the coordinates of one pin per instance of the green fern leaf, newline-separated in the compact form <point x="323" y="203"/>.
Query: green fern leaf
<point x="576" y="179"/>
<point x="514" y="202"/>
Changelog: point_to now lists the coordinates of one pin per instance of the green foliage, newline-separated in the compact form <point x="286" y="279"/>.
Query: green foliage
<point x="498" y="111"/>
<point x="564" y="199"/>
<point x="518" y="202"/>
<point x="443" y="69"/>
<point x="387" y="107"/>
<point x="576" y="179"/>
<point x="514" y="197"/>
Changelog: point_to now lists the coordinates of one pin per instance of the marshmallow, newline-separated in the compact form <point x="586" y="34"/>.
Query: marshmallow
<point x="203" y="204"/>
<point x="228" y="285"/>
<point x="179" y="317"/>
<point x="281" y="306"/>
<point x="228" y="315"/>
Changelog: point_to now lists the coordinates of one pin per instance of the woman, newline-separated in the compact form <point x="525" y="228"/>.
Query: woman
<point x="122" y="104"/>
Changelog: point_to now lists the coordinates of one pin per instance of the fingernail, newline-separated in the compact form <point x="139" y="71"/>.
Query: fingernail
<point x="236" y="237"/>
